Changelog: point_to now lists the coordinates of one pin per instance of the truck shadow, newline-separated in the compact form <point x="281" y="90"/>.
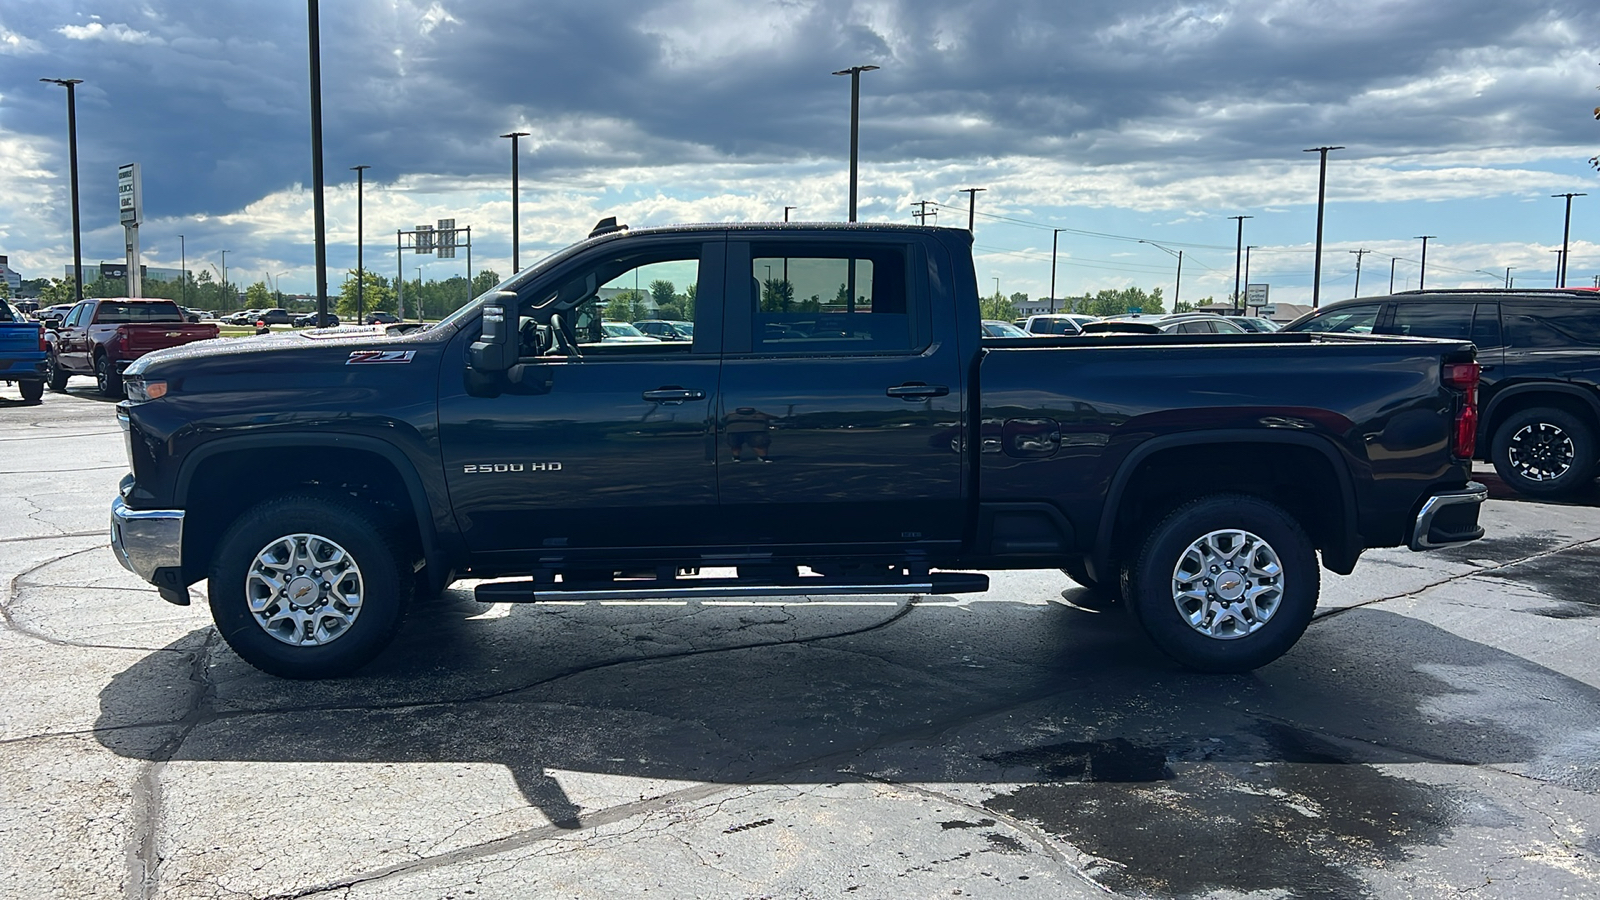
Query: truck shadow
<point x="1113" y="745"/>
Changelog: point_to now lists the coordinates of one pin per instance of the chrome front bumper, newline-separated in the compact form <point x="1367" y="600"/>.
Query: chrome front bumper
<point x="1449" y="517"/>
<point x="145" y="540"/>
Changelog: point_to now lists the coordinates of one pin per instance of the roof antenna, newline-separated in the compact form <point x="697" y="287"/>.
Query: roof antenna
<point x="607" y="226"/>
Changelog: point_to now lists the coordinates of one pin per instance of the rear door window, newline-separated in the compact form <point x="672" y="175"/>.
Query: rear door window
<point x="1452" y="321"/>
<point x="1486" y="326"/>
<point x="1535" y="324"/>
<point x="816" y="298"/>
<point x="1358" y="319"/>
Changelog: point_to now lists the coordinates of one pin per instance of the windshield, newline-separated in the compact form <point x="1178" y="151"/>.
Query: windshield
<point x="620" y="329"/>
<point x="684" y="327"/>
<point x="1002" y="330"/>
<point x="518" y="279"/>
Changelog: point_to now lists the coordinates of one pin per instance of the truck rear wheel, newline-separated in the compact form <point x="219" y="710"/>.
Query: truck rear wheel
<point x="107" y="378"/>
<point x="1544" y="452"/>
<point x="1225" y="583"/>
<point x="32" y="391"/>
<point x="309" y="586"/>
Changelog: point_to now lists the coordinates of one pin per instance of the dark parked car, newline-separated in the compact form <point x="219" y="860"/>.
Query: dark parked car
<point x="997" y="329"/>
<point x="309" y="319"/>
<point x="382" y="318"/>
<point x="666" y="329"/>
<point x="1540" y="355"/>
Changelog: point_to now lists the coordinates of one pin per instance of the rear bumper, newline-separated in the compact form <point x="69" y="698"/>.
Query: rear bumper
<point x="145" y="540"/>
<point x="1449" y="517"/>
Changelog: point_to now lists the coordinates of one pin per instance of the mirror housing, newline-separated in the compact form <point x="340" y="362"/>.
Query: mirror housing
<point x="495" y="350"/>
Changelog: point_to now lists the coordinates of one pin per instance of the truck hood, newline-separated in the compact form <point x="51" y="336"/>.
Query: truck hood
<point x="318" y="342"/>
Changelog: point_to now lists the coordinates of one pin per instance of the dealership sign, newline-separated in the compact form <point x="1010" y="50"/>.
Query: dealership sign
<point x="130" y="198"/>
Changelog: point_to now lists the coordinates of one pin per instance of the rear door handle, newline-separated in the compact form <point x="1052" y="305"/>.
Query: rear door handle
<point x="673" y="395"/>
<point x="913" y="391"/>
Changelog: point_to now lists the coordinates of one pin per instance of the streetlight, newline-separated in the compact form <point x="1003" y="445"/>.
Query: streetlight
<point x="972" y="205"/>
<point x="224" y="272"/>
<point x="277" y="286"/>
<point x="1178" y="281"/>
<point x="1247" y="249"/>
<point x="1422" y="273"/>
<point x="1508" y="276"/>
<point x="1238" y="250"/>
<point x="855" y="125"/>
<point x="72" y="149"/>
<point x="1566" y="232"/>
<point x="1056" y="233"/>
<point x="1392" y="261"/>
<point x="361" y="268"/>
<point x="1322" y="193"/>
<point x="419" y="293"/>
<point x="786" y="212"/>
<point x="183" y="270"/>
<point x="1359" y="253"/>
<point x="516" y="219"/>
<point x="997" y="285"/>
<point x="314" y="43"/>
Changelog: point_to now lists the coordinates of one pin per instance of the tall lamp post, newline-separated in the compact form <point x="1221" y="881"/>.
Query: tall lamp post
<point x="1238" y="254"/>
<point x="1056" y="233"/>
<point x="1359" y="253"/>
<point x="72" y="150"/>
<point x="972" y="206"/>
<point x="1178" y="281"/>
<point x="183" y="270"/>
<point x="855" y="125"/>
<point x="1566" y="232"/>
<point x="516" y="218"/>
<point x="1322" y="194"/>
<point x="1392" y="261"/>
<point x="1422" y="273"/>
<point x="361" y="268"/>
<point x="314" y="42"/>
<point x="1247" y="249"/>
<point x="1508" y="276"/>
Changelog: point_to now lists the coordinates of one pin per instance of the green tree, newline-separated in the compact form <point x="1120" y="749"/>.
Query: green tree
<point x="1019" y="297"/>
<point x="1182" y="306"/>
<point x="997" y="307"/>
<point x="777" y="295"/>
<point x="626" y="306"/>
<point x="377" y="293"/>
<point x="59" y="290"/>
<point x="256" y="296"/>
<point x="5" y="289"/>
<point x="663" y="292"/>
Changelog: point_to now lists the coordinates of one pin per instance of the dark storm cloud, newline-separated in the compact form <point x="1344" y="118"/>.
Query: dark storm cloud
<point x="211" y="97"/>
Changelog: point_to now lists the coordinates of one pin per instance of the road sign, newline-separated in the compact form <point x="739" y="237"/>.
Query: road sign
<point x="1268" y="310"/>
<point x="1255" y="294"/>
<point x="446" y="239"/>
<point x="424" y="239"/>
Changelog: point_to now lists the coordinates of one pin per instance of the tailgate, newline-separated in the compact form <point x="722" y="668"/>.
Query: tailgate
<point x="145" y="337"/>
<point x="19" y="339"/>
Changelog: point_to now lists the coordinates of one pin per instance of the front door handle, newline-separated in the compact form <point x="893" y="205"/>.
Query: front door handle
<point x="1486" y="367"/>
<point x="918" y="391"/>
<point x="673" y="395"/>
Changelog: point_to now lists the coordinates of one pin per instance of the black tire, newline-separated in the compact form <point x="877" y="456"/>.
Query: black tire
<point x="54" y="374"/>
<point x="383" y="578"/>
<point x="1098" y="595"/>
<point x="1153" y="585"/>
<point x="1545" y="452"/>
<point x="32" y="391"/>
<point x="107" y="378"/>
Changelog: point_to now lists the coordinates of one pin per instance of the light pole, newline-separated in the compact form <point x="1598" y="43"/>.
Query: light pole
<point x="183" y="270"/>
<point x="1322" y="193"/>
<point x="1392" y="261"/>
<point x="1566" y="232"/>
<point x="1176" y="282"/>
<point x="997" y="285"/>
<point x="1238" y="251"/>
<point x="1056" y="233"/>
<point x="786" y="212"/>
<point x="72" y="151"/>
<point x="1247" y="249"/>
<point x="972" y="205"/>
<point x="224" y="272"/>
<point x="277" y="286"/>
<point x="1561" y="264"/>
<point x="1422" y="273"/>
<point x="1359" y="254"/>
<point x="1508" y="276"/>
<point x="516" y="220"/>
<point x="855" y="125"/>
<point x="361" y="268"/>
<point x="314" y="42"/>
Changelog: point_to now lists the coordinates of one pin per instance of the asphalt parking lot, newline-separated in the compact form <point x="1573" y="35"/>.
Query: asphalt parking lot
<point x="1435" y="734"/>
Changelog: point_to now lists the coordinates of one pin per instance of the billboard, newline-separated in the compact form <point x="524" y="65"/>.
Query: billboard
<point x="130" y="199"/>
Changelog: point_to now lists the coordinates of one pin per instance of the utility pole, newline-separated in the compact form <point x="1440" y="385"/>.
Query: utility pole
<point x="1238" y="257"/>
<point x="71" y="84"/>
<point x="1055" y="233"/>
<point x="972" y="205"/>
<point x="1359" y="254"/>
<point x="1247" y="249"/>
<point x="921" y="215"/>
<point x="1422" y="274"/>
<point x="516" y="221"/>
<point x="361" y="268"/>
<point x="1508" y="276"/>
<point x="1392" y="261"/>
<point x="1178" y="280"/>
<point x="1566" y="232"/>
<point x="1322" y="194"/>
<point x="224" y="272"/>
<point x="183" y="271"/>
<point x="855" y="125"/>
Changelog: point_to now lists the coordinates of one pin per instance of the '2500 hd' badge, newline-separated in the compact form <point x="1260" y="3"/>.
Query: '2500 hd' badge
<point x="361" y="357"/>
<point x="501" y="468"/>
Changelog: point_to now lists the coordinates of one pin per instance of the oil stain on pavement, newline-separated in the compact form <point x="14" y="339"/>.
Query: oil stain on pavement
<point x="1271" y="809"/>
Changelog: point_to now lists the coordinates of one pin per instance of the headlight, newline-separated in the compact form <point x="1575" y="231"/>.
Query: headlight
<point x="141" y="391"/>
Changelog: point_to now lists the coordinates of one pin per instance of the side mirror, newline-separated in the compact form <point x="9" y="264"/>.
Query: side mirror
<point x="495" y="350"/>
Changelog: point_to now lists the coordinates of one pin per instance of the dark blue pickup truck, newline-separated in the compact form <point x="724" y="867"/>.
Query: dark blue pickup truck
<point x="22" y="353"/>
<point x="837" y="425"/>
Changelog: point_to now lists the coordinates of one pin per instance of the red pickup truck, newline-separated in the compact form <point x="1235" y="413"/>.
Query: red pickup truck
<point x="102" y="337"/>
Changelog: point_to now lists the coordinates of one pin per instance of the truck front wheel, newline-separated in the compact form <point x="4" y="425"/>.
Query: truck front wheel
<point x="107" y="378"/>
<point x="1225" y="583"/>
<point x="54" y="374"/>
<point x="308" y="586"/>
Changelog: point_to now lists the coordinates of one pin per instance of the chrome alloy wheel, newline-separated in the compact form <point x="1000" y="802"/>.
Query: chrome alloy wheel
<point x="1228" y="584"/>
<point x="1540" y="451"/>
<point x="304" y="589"/>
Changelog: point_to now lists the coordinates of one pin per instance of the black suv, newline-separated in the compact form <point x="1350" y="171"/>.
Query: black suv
<point x="1540" y="355"/>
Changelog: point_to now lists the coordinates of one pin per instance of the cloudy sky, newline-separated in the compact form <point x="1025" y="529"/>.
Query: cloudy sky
<point x="1118" y="121"/>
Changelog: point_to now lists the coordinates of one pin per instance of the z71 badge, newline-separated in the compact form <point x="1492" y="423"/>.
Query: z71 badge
<point x="360" y="357"/>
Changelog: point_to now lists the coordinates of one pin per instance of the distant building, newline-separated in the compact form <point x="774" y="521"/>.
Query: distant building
<point x="12" y="277"/>
<point x="118" y="271"/>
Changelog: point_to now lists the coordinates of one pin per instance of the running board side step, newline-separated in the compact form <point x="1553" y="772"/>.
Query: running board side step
<point x="528" y="591"/>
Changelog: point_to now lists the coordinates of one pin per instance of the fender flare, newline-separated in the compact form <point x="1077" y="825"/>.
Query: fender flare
<point x="432" y="548"/>
<point x="1341" y="562"/>
<point x="1541" y="387"/>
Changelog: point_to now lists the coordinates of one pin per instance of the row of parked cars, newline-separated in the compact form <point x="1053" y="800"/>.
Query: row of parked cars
<point x="1062" y="324"/>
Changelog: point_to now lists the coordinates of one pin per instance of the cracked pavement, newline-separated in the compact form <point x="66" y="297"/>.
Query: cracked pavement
<point x="1435" y="734"/>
